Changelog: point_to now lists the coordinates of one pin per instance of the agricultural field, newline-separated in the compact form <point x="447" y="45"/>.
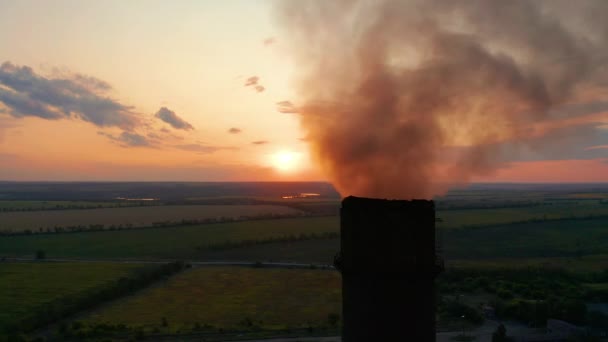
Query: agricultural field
<point x="26" y="287"/>
<point x="54" y="205"/>
<point x="231" y="298"/>
<point x="133" y="216"/>
<point x="468" y="218"/>
<point x="563" y="238"/>
<point x="484" y="232"/>
<point x="185" y="242"/>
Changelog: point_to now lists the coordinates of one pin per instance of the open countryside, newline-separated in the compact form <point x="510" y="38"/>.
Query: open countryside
<point x="501" y="249"/>
<point x="46" y="220"/>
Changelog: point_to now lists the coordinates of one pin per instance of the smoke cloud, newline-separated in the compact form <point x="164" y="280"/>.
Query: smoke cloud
<point x="405" y="98"/>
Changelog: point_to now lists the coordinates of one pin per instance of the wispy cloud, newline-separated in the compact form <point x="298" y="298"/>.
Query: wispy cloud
<point x="254" y="82"/>
<point x="201" y="148"/>
<point x="25" y="93"/>
<point x="235" y="130"/>
<point x="169" y="116"/>
<point x="128" y="139"/>
<point x="260" y="142"/>
<point x="269" y="41"/>
<point x="597" y="147"/>
<point x="286" y="107"/>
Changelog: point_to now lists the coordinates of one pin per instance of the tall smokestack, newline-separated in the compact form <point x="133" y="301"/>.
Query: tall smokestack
<point x="388" y="269"/>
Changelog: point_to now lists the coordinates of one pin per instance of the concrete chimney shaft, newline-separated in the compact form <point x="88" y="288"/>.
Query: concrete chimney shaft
<point x="388" y="267"/>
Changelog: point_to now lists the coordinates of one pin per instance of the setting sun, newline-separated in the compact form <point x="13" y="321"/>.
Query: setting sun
<point x="285" y="161"/>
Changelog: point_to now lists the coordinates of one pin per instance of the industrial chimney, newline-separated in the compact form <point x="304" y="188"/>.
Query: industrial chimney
<point x="388" y="267"/>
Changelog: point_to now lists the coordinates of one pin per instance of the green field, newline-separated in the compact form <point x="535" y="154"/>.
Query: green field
<point x="561" y="238"/>
<point x="26" y="287"/>
<point x="135" y="216"/>
<point x="463" y="218"/>
<point x="228" y="296"/>
<point x="169" y="243"/>
<point x="565" y="238"/>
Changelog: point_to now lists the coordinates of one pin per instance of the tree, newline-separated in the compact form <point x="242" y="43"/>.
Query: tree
<point x="40" y="254"/>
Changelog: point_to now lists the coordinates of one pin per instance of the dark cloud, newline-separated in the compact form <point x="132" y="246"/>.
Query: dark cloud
<point x="165" y="130"/>
<point x="128" y="139"/>
<point x="235" y="130"/>
<point x="286" y="107"/>
<point x="260" y="142"/>
<point x="169" y="116"/>
<point x="253" y="82"/>
<point x="201" y="148"/>
<point x="26" y="93"/>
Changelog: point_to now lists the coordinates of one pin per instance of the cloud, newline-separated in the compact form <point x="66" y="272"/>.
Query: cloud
<point x="169" y="116"/>
<point x="260" y="142"/>
<point x="26" y="93"/>
<point x="154" y="136"/>
<point x="597" y="147"/>
<point x="269" y="41"/>
<point x="165" y="130"/>
<point x="235" y="130"/>
<point x="253" y="82"/>
<point x="201" y="148"/>
<point x="286" y="107"/>
<point x="128" y="139"/>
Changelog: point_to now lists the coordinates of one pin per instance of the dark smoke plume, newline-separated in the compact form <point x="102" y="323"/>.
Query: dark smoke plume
<point x="404" y="98"/>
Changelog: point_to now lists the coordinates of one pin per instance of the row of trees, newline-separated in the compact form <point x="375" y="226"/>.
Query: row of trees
<point x="76" y="206"/>
<point x="63" y="307"/>
<point x="159" y="224"/>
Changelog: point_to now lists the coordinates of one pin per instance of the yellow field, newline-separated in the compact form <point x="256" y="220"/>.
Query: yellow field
<point x="226" y="296"/>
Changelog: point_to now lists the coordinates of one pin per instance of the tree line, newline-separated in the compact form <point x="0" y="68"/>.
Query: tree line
<point x="158" y="224"/>
<point x="63" y="307"/>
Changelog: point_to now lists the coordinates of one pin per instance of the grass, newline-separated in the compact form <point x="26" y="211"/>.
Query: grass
<point x="136" y="216"/>
<point x="229" y="296"/>
<point x="28" y="286"/>
<point x="171" y="243"/>
<point x="312" y="251"/>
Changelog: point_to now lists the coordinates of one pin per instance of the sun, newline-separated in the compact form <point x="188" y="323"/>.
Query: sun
<point x="285" y="161"/>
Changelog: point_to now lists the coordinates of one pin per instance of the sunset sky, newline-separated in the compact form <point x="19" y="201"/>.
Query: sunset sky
<point x="186" y="91"/>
